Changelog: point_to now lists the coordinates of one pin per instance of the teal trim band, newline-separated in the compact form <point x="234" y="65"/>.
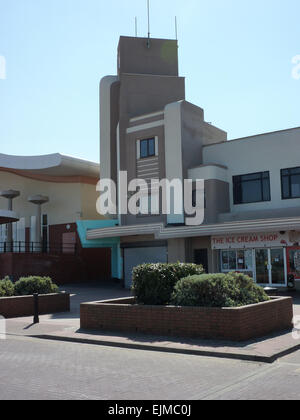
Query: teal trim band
<point x="84" y="225"/>
<point x="113" y="243"/>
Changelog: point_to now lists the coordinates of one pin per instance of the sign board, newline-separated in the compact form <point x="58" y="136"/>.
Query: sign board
<point x="251" y="240"/>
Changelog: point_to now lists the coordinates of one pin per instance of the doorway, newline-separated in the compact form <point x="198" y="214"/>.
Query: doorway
<point x="271" y="267"/>
<point x="201" y="258"/>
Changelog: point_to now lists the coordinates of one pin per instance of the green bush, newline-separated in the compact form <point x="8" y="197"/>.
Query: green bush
<point x="34" y="284"/>
<point x="218" y="290"/>
<point x="7" y="287"/>
<point x="153" y="284"/>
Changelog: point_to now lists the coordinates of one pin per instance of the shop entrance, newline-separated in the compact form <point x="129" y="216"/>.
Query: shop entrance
<point x="270" y="267"/>
<point x="267" y="266"/>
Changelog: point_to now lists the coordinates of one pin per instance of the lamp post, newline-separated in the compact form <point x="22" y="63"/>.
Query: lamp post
<point x="10" y="195"/>
<point x="38" y="200"/>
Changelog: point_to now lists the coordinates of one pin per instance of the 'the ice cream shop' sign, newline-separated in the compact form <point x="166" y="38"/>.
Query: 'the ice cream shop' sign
<point x="251" y="240"/>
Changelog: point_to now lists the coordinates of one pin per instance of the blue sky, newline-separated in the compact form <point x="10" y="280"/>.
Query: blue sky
<point x="236" y="56"/>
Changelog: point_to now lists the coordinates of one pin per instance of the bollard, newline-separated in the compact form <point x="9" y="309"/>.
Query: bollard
<point x="291" y="281"/>
<point x="36" y="308"/>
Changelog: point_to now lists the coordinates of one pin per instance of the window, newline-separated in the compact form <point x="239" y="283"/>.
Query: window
<point x="252" y="188"/>
<point x="228" y="260"/>
<point x="45" y="232"/>
<point x="147" y="148"/>
<point x="241" y="260"/>
<point x="290" y="182"/>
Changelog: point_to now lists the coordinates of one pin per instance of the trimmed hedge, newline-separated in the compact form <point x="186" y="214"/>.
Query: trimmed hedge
<point x="153" y="284"/>
<point x="7" y="287"/>
<point x="34" y="284"/>
<point x="218" y="290"/>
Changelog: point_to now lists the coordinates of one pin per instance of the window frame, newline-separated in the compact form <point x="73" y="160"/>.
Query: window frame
<point x="261" y="178"/>
<point x="289" y="182"/>
<point x="148" y="148"/>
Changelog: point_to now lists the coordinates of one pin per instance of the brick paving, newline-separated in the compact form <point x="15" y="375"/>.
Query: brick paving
<point x="42" y="369"/>
<point x="66" y="327"/>
<point x="32" y="368"/>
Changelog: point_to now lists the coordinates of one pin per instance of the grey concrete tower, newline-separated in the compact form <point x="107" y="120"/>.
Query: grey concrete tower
<point x="145" y="102"/>
<point x="147" y="81"/>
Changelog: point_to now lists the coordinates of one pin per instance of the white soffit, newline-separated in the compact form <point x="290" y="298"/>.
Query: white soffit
<point x="7" y="216"/>
<point x="162" y="232"/>
<point x="53" y="165"/>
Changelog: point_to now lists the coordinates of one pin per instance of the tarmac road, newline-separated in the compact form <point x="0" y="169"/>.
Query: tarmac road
<point x="31" y="368"/>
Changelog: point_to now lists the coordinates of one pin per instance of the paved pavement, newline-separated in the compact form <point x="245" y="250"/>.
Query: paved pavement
<point x="66" y="327"/>
<point x="31" y="368"/>
<point x="38" y="369"/>
<point x="79" y="294"/>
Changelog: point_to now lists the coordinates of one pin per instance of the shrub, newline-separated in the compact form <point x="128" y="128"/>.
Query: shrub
<point x="218" y="290"/>
<point x="153" y="284"/>
<point x="7" y="287"/>
<point x="34" y="284"/>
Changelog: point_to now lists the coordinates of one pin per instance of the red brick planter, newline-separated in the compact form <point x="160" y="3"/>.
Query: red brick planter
<point x="18" y="306"/>
<point x="235" y="324"/>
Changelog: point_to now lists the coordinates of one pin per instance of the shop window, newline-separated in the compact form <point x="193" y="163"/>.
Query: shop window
<point x="228" y="260"/>
<point x="252" y="188"/>
<point x="240" y="260"/>
<point x="290" y="183"/>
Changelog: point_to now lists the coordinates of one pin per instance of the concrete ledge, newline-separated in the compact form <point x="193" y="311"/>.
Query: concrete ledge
<point x="20" y="306"/>
<point x="234" y="324"/>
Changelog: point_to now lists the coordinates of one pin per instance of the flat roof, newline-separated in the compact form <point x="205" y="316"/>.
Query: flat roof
<point x="254" y="136"/>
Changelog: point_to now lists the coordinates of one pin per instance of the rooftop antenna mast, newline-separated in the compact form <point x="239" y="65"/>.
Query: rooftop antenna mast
<point x="136" y="27"/>
<point x="148" y="10"/>
<point x="176" y="29"/>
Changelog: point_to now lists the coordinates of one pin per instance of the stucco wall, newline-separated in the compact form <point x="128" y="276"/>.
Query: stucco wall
<point x="268" y="152"/>
<point x="68" y="202"/>
<point x="176" y="250"/>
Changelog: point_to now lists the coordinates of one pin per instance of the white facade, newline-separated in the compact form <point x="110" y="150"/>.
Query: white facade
<point x="267" y="152"/>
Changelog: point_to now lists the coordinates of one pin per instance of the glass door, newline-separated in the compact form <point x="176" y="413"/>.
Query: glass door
<point x="262" y="266"/>
<point x="271" y="267"/>
<point x="277" y="262"/>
